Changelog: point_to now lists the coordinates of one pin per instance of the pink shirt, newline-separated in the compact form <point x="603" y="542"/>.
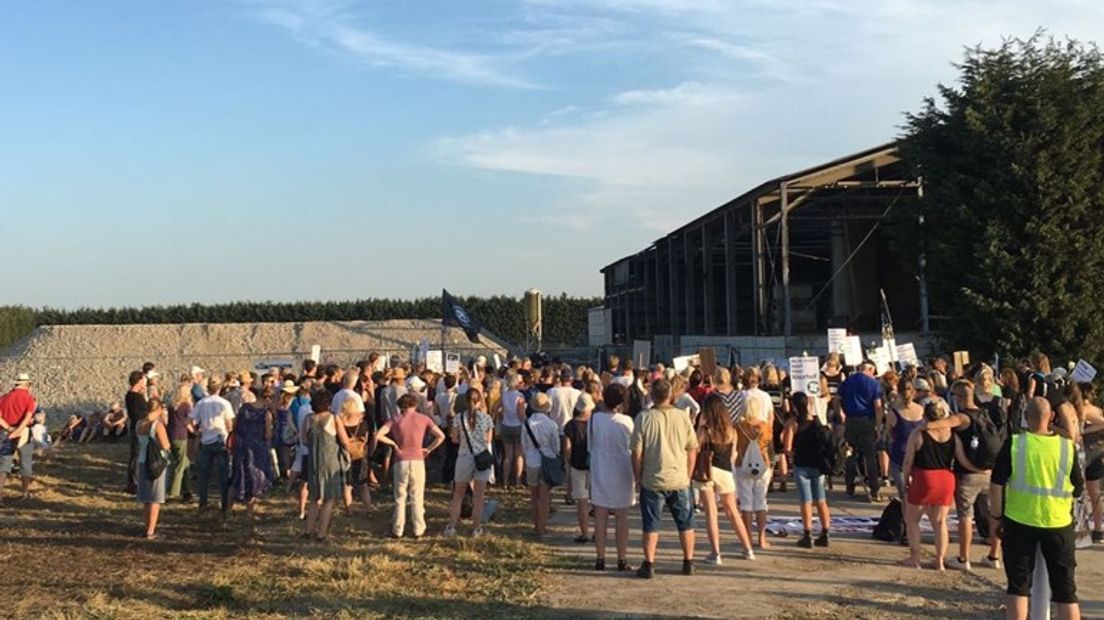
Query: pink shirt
<point x="408" y="431"/>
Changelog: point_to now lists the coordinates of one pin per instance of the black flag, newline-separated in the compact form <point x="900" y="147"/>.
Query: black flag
<point x="453" y="314"/>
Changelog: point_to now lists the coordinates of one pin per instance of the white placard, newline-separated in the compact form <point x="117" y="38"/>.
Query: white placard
<point x="852" y="351"/>
<point x="497" y="361"/>
<point x="423" y="349"/>
<point x="890" y="346"/>
<point x="805" y="376"/>
<point x="435" y="361"/>
<point x="316" y="353"/>
<point x="880" y="357"/>
<point x="684" y="362"/>
<point x="642" y="353"/>
<point x="452" y="363"/>
<point x="1083" y="372"/>
<point x="906" y="354"/>
<point x="837" y="336"/>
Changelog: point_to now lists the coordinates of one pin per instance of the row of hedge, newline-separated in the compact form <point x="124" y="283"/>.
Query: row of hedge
<point x="565" y="318"/>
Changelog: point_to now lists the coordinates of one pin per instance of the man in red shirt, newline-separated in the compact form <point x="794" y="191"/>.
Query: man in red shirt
<point x="406" y="435"/>
<point x="17" y="409"/>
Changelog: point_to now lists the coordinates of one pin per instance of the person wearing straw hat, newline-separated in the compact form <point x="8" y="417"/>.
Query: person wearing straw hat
<point x="17" y="409"/>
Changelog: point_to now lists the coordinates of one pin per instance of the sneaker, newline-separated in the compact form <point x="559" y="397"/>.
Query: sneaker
<point x="1097" y="537"/>
<point x="646" y="571"/>
<point x="806" y="541"/>
<point x="749" y="554"/>
<point x="688" y="567"/>
<point x="599" y="564"/>
<point x="713" y="559"/>
<point x="822" y="540"/>
<point x="885" y="483"/>
<point x="957" y="563"/>
<point x="449" y="532"/>
<point x="874" y="496"/>
<point x="623" y="566"/>
<point x="477" y="532"/>
<point x="993" y="563"/>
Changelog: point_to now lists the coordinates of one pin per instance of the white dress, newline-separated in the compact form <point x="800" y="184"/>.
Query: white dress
<point x="611" y="474"/>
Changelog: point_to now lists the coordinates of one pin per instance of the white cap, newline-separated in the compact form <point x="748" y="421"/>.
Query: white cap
<point x="197" y="370"/>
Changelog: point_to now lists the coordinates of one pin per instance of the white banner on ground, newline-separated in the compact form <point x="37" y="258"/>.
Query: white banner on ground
<point x="642" y="354"/>
<point x="805" y="376"/>
<point x="435" y="361"/>
<point x="1083" y="372"/>
<point x="837" y="336"/>
<point x="906" y="354"/>
<point x="852" y="351"/>
<point x="452" y="363"/>
<point x="684" y="362"/>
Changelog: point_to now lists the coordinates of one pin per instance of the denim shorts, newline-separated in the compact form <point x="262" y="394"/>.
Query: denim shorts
<point x="810" y="484"/>
<point x="679" y="503"/>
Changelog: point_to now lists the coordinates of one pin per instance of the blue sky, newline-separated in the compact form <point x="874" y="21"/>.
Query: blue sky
<point x="216" y="150"/>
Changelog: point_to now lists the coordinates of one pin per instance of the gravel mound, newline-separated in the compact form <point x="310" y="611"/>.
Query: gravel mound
<point x="85" y="367"/>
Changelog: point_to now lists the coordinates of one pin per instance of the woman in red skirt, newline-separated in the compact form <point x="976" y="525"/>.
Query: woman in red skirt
<point x="929" y="477"/>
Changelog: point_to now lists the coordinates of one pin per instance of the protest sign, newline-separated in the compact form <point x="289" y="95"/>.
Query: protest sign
<point x="852" y="351"/>
<point x="642" y="353"/>
<point x="1083" y="372"/>
<point x="682" y="363"/>
<point x="708" y="359"/>
<point x="316" y="353"/>
<point x="961" y="361"/>
<point x="435" y="361"/>
<point x="880" y="357"/>
<point x="805" y="376"/>
<point x="836" y="339"/>
<point x="497" y="361"/>
<point x="906" y="354"/>
<point x="452" y="363"/>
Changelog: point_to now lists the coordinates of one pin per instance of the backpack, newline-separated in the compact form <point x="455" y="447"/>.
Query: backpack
<point x="986" y="437"/>
<point x="752" y="464"/>
<point x="891" y="525"/>
<point x="831" y="452"/>
<point x="289" y="434"/>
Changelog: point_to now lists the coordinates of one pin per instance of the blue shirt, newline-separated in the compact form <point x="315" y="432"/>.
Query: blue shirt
<point x="858" y="394"/>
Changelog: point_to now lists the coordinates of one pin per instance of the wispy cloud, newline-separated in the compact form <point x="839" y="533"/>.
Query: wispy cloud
<point x="332" y="24"/>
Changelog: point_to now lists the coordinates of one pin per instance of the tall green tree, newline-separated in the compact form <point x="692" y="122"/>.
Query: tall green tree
<point x="1012" y="158"/>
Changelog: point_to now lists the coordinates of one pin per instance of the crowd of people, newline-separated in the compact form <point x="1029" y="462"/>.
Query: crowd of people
<point x="1003" y="449"/>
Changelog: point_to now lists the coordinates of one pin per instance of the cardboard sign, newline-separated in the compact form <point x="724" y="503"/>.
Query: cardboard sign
<point x="682" y="363"/>
<point x="642" y="354"/>
<point x="852" y="351"/>
<point x="880" y="357"/>
<point x="435" y="361"/>
<point x="890" y="346"/>
<point x="1083" y="372"/>
<point x="708" y="359"/>
<point x="906" y="354"/>
<point x="836" y="339"/>
<point x="316" y="353"/>
<point x="961" y="361"/>
<point x="805" y="376"/>
<point x="452" y="363"/>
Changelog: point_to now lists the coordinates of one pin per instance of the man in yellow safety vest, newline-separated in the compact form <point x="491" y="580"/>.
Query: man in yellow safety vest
<point x="1034" y="481"/>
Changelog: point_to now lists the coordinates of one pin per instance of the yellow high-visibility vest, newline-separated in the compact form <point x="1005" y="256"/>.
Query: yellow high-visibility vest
<point x="1040" y="493"/>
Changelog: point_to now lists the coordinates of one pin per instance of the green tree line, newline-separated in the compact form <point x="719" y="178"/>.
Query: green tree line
<point x="565" y="318"/>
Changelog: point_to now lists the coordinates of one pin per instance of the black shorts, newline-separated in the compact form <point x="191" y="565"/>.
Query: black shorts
<point x="1095" y="470"/>
<point x="1019" y="543"/>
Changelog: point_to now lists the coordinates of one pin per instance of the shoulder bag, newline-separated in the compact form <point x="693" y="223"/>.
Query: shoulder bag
<point x="156" y="459"/>
<point x="484" y="460"/>
<point x="552" y="472"/>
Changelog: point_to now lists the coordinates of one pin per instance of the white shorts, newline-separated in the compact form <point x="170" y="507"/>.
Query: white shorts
<point x="466" y="471"/>
<point x="752" y="492"/>
<point x="580" y="483"/>
<point x="723" y="482"/>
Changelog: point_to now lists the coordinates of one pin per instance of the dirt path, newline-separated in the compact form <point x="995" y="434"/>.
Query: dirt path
<point x="855" y="578"/>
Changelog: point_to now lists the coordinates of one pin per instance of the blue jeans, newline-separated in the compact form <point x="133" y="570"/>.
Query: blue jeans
<point x="680" y="504"/>
<point x="213" y="454"/>
<point x="810" y="484"/>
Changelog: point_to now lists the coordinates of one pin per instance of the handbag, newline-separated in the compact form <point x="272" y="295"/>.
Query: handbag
<point x="703" y="465"/>
<point x="156" y="459"/>
<point x="552" y="472"/>
<point x="484" y="460"/>
<point x="357" y="443"/>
